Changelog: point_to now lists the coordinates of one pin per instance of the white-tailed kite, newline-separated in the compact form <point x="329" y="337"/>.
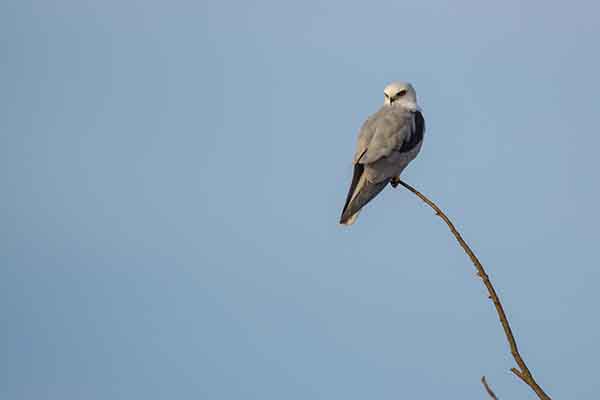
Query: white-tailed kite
<point x="388" y="141"/>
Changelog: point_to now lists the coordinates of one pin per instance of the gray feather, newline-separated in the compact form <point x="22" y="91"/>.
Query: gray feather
<point x="365" y="194"/>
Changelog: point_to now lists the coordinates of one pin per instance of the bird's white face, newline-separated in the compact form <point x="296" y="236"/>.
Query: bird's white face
<point x="401" y="94"/>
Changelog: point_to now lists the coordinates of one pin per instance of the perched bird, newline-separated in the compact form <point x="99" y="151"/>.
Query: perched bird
<point x="388" y="141"/>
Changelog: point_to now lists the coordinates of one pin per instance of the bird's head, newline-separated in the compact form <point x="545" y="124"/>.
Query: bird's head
<point x="401" y="94"/>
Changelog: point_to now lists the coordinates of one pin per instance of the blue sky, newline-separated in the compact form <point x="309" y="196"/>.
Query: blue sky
<point x="173" y="174"/>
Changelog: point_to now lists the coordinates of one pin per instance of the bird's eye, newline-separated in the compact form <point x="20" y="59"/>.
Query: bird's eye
<point x="401" y="93"/>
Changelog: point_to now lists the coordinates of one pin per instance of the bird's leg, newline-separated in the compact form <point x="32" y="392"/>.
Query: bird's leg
<point x="395" y="181"/>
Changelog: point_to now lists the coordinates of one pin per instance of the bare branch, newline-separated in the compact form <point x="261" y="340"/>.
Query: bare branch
<point x="518" y="374"/>
<point x="523" y="372"/>
<point x="488" y="389"/>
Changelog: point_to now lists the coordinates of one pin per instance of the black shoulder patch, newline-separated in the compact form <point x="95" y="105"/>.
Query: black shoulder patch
<point x="417" y="135"/>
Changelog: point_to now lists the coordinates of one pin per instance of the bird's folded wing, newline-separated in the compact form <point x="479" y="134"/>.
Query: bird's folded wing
<point x="383" y="133"/>
<point x="358" y="171"/>
<point x="364" y="192"/>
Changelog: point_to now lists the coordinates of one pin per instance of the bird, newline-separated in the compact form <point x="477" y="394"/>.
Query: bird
<point x="387" y="142"/>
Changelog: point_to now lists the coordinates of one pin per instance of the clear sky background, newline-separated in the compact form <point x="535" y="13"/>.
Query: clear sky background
<point x="172" y="175"/>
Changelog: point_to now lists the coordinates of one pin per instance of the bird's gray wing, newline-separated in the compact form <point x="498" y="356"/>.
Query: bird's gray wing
<point x="365" y="135"/>
<point x="387" y="132"/>
<point x="364" y="138"/>
<point x="358" y="171"/>
<point x="382" y="134"/>
<point x="364" y="192"/>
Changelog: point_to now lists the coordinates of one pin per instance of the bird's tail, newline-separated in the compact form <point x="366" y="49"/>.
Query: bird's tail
<point x="350" y="220"/>
<point x="363" y="193"/>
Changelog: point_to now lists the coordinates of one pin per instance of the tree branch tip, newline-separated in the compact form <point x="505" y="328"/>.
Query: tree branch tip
<point x="488" y="389"/>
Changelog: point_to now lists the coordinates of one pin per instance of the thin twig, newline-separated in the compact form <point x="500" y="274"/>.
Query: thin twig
<point x="488" y="389"/>
<point x="523" y="372"/>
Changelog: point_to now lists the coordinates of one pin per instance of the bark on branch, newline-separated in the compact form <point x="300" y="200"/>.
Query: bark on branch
<point x="522" y="372"/>
<point x="488" y="389"/>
